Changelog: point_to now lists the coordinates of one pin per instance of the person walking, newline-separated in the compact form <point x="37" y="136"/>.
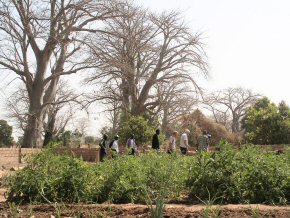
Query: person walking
<point x="203" y="142"/>
<point x="103" y="147"/>
<point x="155" y="140"/>
<point x="131" y="145"/>
<point x="184" y="142"/>
<point x="114" y="146"/>
<point x="172" y="142"/>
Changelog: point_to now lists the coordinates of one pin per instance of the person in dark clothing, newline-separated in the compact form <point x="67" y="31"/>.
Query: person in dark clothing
<point x="155" y="140"/>
<point x="103" y="145"/>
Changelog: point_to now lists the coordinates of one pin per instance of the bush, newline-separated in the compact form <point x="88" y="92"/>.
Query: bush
<point x="251" y="175"/>
<point x="197" y="121"/>
<point x="266" y="123"/>
<point x="128" y="179"/>
<point x="50" y="177"/>
<point x="140" y="127"/>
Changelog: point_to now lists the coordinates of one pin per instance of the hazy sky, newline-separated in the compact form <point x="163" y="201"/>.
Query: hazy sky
<point x="247" y="41"/>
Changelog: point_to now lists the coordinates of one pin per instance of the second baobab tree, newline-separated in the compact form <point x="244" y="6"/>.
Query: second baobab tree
<point x="144" y="54"/>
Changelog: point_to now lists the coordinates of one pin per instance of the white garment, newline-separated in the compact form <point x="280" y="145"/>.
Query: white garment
<point x="131" y="144"/>
<point x="172" y="141"/>
<point x="183" y="138"/>
<point x="115" y="146"/>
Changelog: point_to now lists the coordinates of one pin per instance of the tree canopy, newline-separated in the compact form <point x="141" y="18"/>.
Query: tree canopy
<point x="266" y="123"/>
<point x="5" y="134"/>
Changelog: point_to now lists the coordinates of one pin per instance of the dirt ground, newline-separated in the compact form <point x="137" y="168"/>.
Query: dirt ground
<point x="132" y="210"/>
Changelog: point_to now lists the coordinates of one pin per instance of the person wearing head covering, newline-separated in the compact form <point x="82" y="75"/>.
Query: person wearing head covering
<point x="103" y="147"/>
<point x="172" y="142"/>
<point x="114" y="146"/>
<point x="155" y="140"/>
<point x="131" y="145"/>
<point x="203" y="141"/>
<point x="184" y="141"/>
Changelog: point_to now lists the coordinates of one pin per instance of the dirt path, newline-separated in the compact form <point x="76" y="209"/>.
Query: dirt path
<point x="133" y="210"/>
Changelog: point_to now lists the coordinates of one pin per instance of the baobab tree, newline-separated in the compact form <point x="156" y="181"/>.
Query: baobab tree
<point x="40" y="41"/>
<point x="228" y="106"/>
<point x="143" y="53"/>
<point x="176" y="100"/>
<point x="55" y="118"/>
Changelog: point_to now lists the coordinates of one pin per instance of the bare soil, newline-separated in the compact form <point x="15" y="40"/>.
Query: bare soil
<point x="133" y="210"/>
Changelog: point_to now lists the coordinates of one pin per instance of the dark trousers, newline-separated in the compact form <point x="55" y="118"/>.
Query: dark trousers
<point x="132" y="151"/>
<point x="102" y="154"/>
<point x="183" y="150"/>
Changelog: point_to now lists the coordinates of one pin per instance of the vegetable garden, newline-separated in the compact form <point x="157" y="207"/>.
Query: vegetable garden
<point x="248" y="175"/>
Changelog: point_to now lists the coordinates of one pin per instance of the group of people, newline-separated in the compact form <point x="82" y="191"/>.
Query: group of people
<point x="114" y="146"/>
<point x="203" y="143"/>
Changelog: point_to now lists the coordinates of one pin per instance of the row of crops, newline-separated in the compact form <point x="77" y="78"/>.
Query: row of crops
<point x="247" y="175"/>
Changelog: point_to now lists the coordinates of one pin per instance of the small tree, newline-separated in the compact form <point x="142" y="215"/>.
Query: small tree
<point x="138" y="126"/>
<point x="265" y="123"/>
<point x="5" y="134"/>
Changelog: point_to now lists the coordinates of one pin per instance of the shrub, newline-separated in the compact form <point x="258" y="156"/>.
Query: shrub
<point x="140" y="127"/>
<point x="251" y="175"/>
<point x="196" y="122"/>
<point x="50" y="177"/>
<point x="127" y="179"/>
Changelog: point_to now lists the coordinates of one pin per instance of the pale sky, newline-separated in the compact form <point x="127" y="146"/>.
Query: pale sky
<point x="247" y="41"/>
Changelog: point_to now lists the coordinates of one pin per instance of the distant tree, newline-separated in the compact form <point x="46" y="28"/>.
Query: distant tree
<point x="265" y="123"/>
<point x="66" y="138"/>
<point x="89" y="139"/>
<point x="284" y="110"/>
<point x="228" y="106"/>
<point x="5" y="134"/>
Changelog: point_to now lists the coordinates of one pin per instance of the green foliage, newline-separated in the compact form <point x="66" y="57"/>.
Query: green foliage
<point x="5" y="134"/>
<point x="140" y="127"/>
<point x="89" y="139"/>
<point x="248" y="175"/>
<point x="127" y="178"/>
<point x="158" y="210"/>
<point x="251" y="175"/>
<point x="52" y="177"/>
<point x="265" y="123"/>
<point x="68" y="138"/>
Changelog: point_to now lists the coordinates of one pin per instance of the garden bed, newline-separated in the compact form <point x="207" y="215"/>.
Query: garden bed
<point x="136" y="210"/>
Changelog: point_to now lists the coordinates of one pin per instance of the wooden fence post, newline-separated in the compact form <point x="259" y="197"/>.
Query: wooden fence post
<point x="19" y="154"/>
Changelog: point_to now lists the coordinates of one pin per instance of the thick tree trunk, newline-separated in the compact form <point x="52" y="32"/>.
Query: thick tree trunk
<point x="33" y="132"/>
<point x="235" y="124"/>
<point x="50" y="129"/>
<point x="137" y="109"/>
